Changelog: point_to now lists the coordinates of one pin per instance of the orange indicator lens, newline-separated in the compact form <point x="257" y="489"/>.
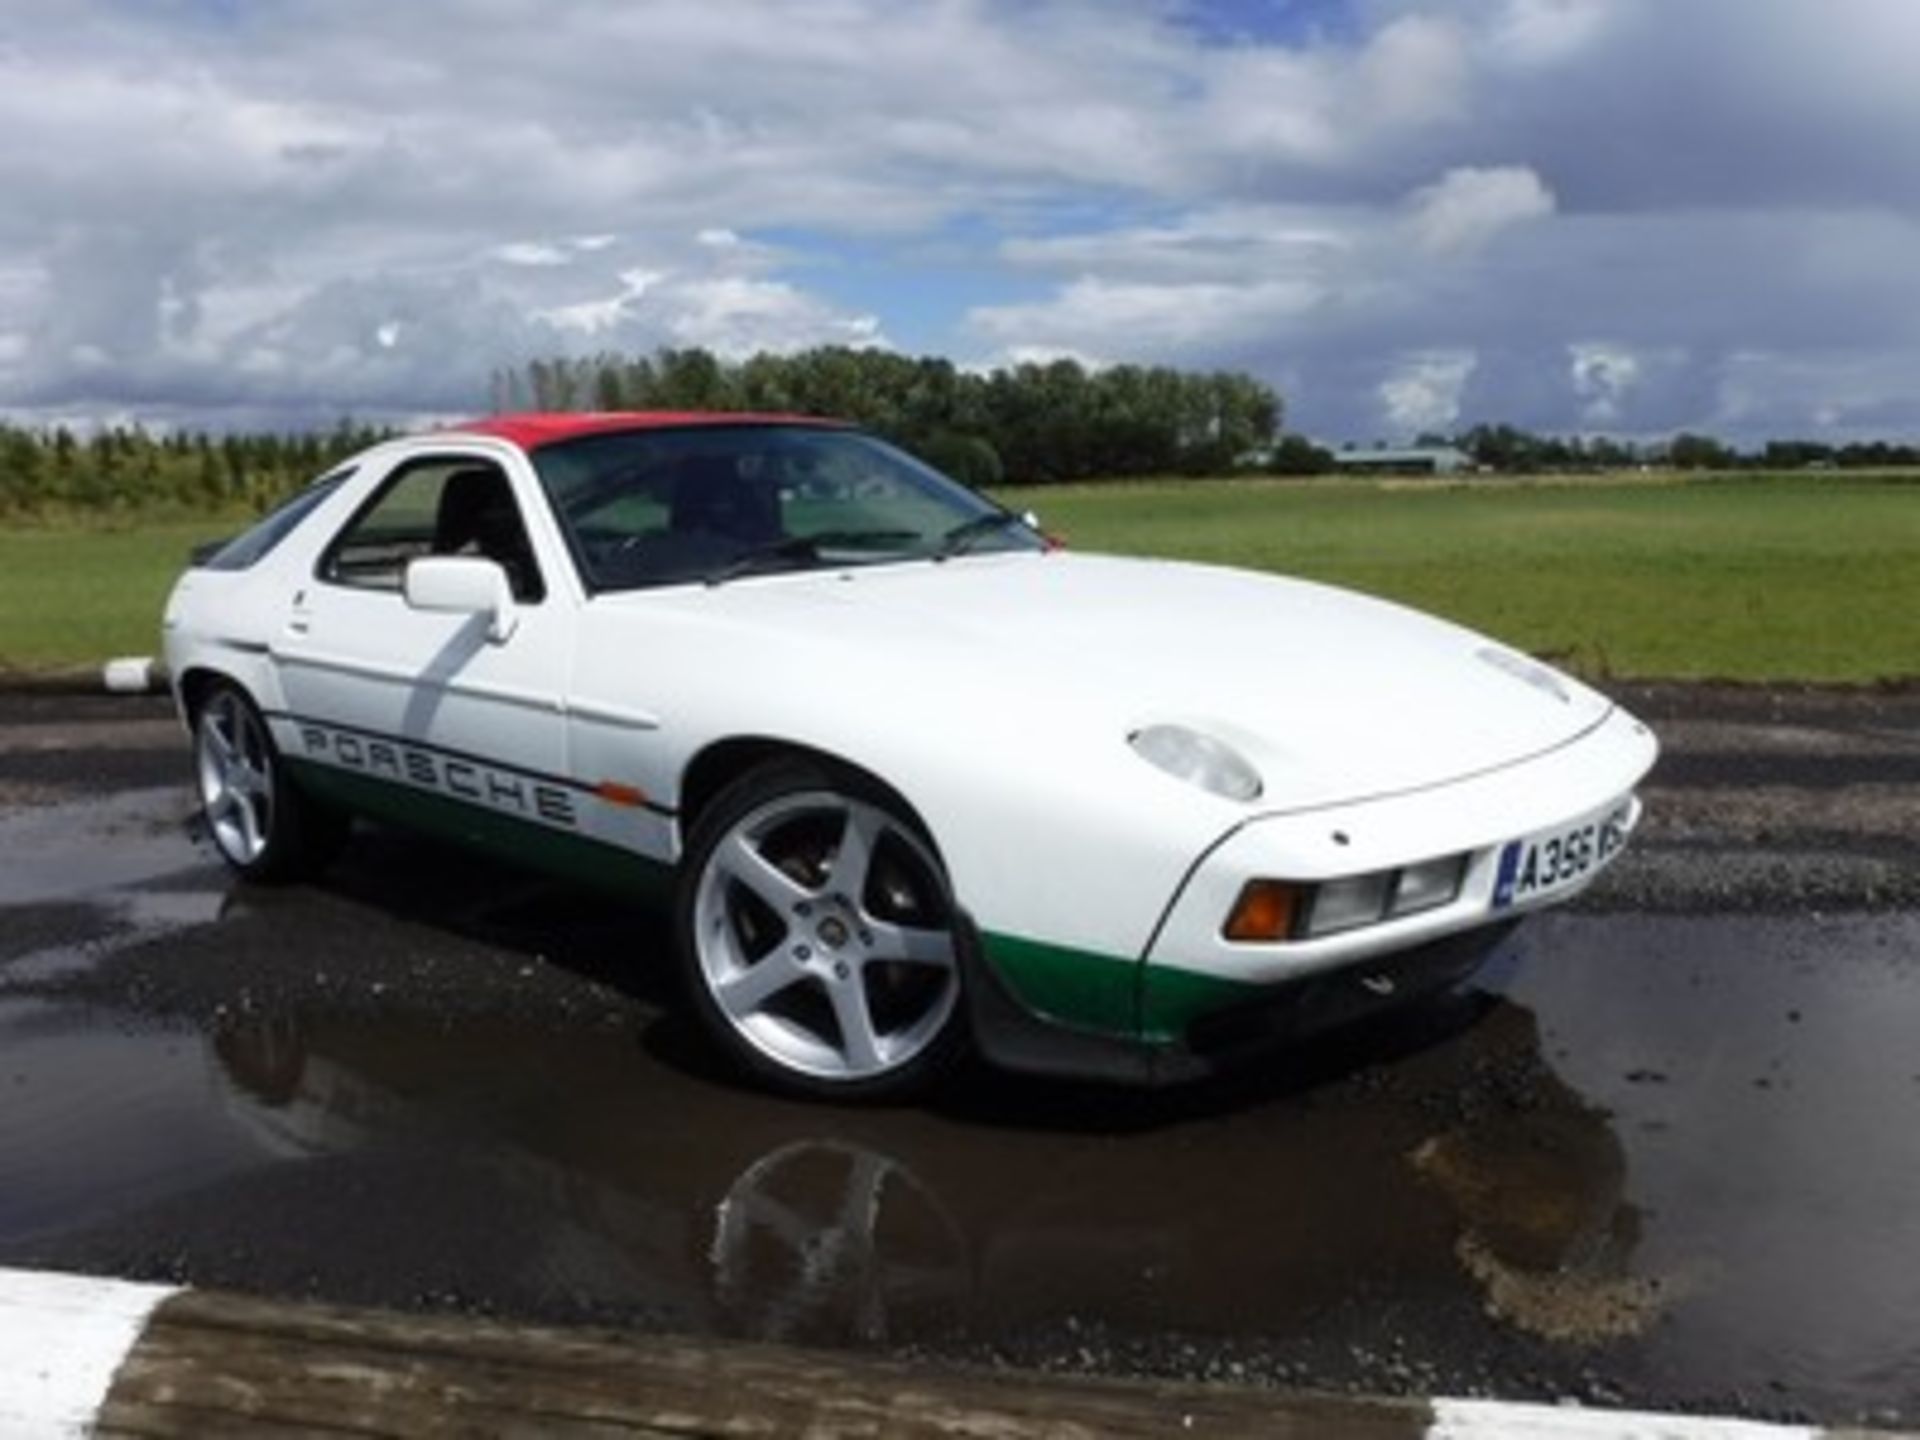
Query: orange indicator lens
<point x="1264" y="911"/>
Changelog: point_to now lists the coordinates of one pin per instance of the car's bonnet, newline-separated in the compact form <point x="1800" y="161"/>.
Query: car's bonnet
<point x="1333" y="695"/>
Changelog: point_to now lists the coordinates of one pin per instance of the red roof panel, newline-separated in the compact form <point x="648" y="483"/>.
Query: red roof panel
<point x="532" y="430"/>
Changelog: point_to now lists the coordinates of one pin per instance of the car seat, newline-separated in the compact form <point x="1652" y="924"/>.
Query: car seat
<point x="477" y="516"/>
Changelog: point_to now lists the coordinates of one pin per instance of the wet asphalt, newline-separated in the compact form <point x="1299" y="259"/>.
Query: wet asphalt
<point x="1663" y="1151"/>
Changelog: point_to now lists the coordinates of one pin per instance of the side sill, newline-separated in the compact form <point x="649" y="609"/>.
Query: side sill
<point x="574" y="858"/>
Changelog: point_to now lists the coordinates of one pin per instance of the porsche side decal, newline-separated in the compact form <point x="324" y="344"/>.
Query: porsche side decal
<point x="524" y="794"/>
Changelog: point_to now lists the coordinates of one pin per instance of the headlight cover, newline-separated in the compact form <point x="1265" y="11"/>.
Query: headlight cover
<point x="1528" y="672"/>
<point x="1198" y="759"/>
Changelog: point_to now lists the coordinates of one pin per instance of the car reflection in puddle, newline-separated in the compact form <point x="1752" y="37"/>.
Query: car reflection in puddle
<point x="779" y="1221"/>
<point x="826" y="1237"/>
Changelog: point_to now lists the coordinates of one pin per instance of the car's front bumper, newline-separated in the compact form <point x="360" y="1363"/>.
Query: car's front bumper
<point x="1261" y="1021"/>
<point x="1193" y="968"/>
<point x="1198" y="996"/>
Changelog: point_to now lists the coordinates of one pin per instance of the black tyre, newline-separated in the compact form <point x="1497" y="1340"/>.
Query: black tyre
<point x="817" y="936"/>
<point x="259" y="821"/>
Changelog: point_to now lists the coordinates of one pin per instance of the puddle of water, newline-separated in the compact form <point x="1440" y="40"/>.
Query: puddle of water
<point x="1764" y="1079"/>
<point x="60" y="852"/>
<point x="95" y="1122"/>
<point x="102" y="874"/>
<point x="1684" y="1150"/>
<point x="800" y="1223"/>
<point x="117" y="920"/>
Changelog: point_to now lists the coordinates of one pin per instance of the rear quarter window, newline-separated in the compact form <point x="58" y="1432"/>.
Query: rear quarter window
<point x="251" y="546"/>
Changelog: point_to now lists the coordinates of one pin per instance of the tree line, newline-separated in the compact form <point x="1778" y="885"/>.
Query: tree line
<point x="1507" y="450"/>
<point x="132" y="470"/>
<point x="1031" y="423"/>
<point x="1510" y="450"/>
<point x="1022" y="424"/>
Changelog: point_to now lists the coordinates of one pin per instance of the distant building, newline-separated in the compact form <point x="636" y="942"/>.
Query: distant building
<point x="1415" y="460"/>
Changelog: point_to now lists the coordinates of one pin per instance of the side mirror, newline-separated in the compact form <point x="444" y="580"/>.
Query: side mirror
<point x="463" y="585"/>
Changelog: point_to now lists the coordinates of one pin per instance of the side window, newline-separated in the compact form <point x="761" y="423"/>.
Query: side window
<point x="453" y="506"/>
<point x="254" y="544"/>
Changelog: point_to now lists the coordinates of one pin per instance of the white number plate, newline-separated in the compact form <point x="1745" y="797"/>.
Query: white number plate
<point x="1562" y="858"/>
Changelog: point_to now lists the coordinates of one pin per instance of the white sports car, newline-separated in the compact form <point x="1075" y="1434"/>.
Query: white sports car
<point x="911" y="775"/>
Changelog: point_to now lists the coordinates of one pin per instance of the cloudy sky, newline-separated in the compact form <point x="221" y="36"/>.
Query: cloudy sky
<point x="1621" y="216"/>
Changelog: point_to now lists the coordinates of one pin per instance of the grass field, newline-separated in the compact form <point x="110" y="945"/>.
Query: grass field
<point x="73" y="594"/>
<point x="1787" y="579"/>
<point x="1814" y="578"/>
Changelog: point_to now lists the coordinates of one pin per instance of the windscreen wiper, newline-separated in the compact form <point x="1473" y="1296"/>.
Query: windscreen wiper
<point x="801" y="548"/>
<point x="964" y="536"/>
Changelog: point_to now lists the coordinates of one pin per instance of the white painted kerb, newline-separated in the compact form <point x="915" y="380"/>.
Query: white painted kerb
<point x="62" y="1337"/>
<point x="128" y="675"/>
<point x="1500" y="1420"/>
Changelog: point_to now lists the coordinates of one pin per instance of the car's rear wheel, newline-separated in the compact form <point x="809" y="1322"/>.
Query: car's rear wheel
<point x="818" y="936"/>
<point x="262" y="826"/>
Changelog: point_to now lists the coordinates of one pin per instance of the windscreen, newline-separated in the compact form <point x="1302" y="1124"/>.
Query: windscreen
<point x="683" y="505"/>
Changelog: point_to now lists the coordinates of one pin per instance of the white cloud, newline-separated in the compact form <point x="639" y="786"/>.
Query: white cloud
<point x="1044" y="355"/>
<point x="219" y="210"/>
<point x="1605" y="376"/>
<point x="1229" y="244"/>
<point x="1602" y="376"/>
<point x="1266" y="110"/>
<point x="734" y="316"/>
<point x="527" y="252"/>
<point x="1415" y="73"/>
<point x="1424" y="391"/>
<point x="1097" y="316"/>
<point x="1467" y="207"/>
<point x="596" y="317"/>
<point x="1546" y="33"/>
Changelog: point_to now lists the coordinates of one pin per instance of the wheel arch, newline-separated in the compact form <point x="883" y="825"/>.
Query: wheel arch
<point x="195" y="679"/>
<point x="198" y="681"/>
<point x="722" y="762"/>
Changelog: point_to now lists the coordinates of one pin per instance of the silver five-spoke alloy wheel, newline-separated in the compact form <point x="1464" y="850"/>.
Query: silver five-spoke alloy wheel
<point x="235" y="765"/>
<point x="824" y="936"/>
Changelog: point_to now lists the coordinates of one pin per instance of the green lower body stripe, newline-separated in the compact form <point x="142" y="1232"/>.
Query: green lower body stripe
<point x="1107" y="994"/>
<point x="1110" y="994"/>
<point x="526" y="842"/>
<point x="1076" y="987"/>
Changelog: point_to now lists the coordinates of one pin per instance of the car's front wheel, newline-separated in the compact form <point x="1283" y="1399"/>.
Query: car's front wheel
<point x="262" y="826"/>
<point x="818" y="937"/>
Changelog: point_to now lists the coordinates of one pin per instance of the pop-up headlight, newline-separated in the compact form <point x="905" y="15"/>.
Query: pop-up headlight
<point x="1198" y="759"/>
